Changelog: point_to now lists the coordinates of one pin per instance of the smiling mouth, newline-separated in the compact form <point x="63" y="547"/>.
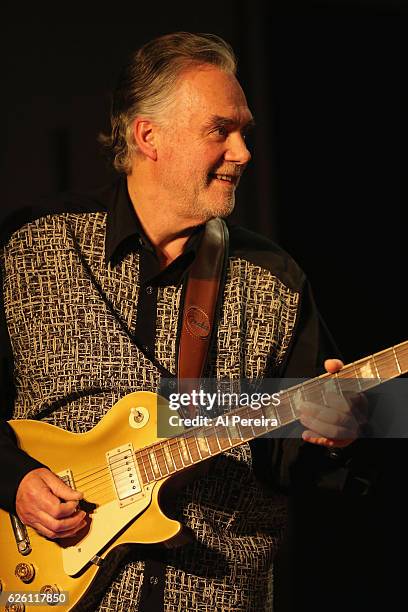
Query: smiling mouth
<point x="226" y="178"/>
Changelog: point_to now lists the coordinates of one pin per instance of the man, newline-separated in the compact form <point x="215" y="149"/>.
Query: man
<point x="92" y="291"/>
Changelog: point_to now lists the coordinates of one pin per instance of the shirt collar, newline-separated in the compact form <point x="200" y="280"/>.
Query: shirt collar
<point x="125" y="233"/>
<point x="123" y="228"/>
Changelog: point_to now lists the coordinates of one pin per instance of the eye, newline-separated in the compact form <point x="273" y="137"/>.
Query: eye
<point x="221" y="131"/>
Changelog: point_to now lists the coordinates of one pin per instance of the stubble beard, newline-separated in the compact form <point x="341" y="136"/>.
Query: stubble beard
<point x="203" y="206"/>
<point x="215" y="209"/>
<point x="198" y="204"/>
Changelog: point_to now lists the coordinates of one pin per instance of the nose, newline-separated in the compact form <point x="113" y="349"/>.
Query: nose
<point x="237" y="151"/>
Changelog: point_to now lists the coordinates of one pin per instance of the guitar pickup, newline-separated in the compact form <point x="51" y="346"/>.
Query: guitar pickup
<point x="124" y="474"/>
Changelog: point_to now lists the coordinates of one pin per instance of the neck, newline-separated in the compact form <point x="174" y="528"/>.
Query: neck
<point x="168" y="233"/>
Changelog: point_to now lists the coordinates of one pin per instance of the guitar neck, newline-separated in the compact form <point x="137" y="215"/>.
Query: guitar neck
<point x="247" y="423"/>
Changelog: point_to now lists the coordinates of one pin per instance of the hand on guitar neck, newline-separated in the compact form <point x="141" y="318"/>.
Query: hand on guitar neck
<point x="47" y="504"/>
<point x="336" y="423"/>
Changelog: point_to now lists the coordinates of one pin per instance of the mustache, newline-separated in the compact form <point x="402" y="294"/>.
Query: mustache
<point x="234" y="171"/>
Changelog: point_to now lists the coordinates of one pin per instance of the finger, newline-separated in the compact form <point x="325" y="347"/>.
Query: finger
<point x="69" y="534"/>
<point x="328" y="430"/>
<point x="337" y="401"/>
<point x="66" y="509"/>
<point x="60" y="526"/>
<point x="53" y="506"/>
<point x="337" y="412"/>
<point x="53" y="535"/>
<point x="314" y="438"/>
<point x="327" y="416"/>
<point x="330" y="400"/>
<point x="41" y="488"/>
<point x="347" y="401"/>
<point x="332" y="411"/>
<point x="333" y="365"/>
<point x="354" y="408"/>
<point x="59" y="488"/>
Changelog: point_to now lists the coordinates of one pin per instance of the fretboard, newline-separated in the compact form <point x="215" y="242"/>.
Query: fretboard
<point x="197" y="444"/>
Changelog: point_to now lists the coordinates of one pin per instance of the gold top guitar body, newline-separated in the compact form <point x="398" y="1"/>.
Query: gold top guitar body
<point x="100" y="463"/>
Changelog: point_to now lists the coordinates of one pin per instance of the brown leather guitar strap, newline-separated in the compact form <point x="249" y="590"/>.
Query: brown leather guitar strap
<point x="201" y="298"/>
<point x="200" y="301"/>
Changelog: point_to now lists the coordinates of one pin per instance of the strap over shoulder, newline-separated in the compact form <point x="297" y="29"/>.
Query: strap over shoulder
<point x="201" y="298"/>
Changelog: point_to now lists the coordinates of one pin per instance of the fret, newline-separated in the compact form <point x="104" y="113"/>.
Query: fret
<point x="193" y="448"/>
<point x="155" y="464"/>
<point x="367" y="374"/>
<point x="142" y="468"/>
<point x="387" y="366"/>
<point x="283" y="412"/>
<point x="161" y="460"/>
<point x="259" y="427"/>
<point x="346" y="381"/>
<point x="147" y="465"/>
<point x="311" y="391"/>
<point x="294" y="395"/>
<point x="332" y="385"/>
<point x="175" y="453"/>
<point x="376" y="366"/>
<point x="354" y="382"/>
<point x="233" y="432"/>
<point x="203" y="444"/>
<point x="287" y="397"/>
<point x="340" y="389"/>
<point x="212" y="440"/>
<point x="397" y="361"/>
<point x="401" y="352"/>
<point x="326" y="386"/>
<point x="245" y="423"/>
<point x="349" y="382"/>
<point x="185" y="455"/>
<point x="223" y="438"/>
<point x="168" y="457"/>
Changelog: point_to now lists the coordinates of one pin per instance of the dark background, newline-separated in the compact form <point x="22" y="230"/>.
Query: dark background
<point x="326" y="83"/>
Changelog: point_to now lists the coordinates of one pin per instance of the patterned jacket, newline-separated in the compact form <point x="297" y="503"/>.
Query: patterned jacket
<point x="69" y="316"/>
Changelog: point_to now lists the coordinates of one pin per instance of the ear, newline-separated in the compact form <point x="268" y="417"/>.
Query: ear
<point x="144" y="132"/>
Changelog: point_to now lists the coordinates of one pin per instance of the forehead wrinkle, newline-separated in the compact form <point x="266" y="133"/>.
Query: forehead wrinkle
<point x="195" y="98"/>
<point x="219" y="120"/>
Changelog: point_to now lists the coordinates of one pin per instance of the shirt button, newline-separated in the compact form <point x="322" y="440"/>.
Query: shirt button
<point x="149" y="290"/>
<point x="141" y="242"/>
<point x="335" y="453"/>
<point x="146" y="348"/>
<point x="153" y="580"/>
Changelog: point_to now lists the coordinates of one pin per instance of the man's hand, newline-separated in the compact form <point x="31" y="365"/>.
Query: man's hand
<point x="47" y="504"/>
<point x="337" y="423"/>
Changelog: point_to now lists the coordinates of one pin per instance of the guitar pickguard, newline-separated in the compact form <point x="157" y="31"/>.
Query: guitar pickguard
<point x="106" y="522"/>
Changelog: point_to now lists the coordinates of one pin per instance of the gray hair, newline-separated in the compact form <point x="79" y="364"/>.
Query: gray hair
<point x="149" y="79"/>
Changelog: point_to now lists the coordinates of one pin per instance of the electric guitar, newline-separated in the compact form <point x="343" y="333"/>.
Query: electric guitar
<point x="121" y="466"/>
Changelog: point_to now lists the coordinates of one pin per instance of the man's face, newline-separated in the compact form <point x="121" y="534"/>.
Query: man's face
<point x="202" y="151"/>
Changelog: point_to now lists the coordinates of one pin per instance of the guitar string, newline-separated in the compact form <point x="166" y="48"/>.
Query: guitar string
<point x="162" y="467"/>
<point x="380" y="361"/>
<point x="164" y="463"/>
